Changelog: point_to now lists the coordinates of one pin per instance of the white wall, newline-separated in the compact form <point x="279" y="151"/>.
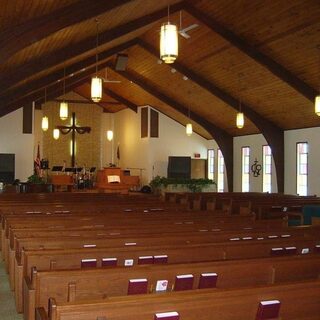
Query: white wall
<point x="291" y="137"/>
<point x="12" y="140"/>
<point x="255" y="142"/>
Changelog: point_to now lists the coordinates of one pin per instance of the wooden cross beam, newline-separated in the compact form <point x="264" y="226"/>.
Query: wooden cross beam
<point x="73" y="129"/>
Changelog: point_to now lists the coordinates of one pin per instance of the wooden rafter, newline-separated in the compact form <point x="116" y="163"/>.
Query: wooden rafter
<point x="74" y="50"/>
<point x="17" y="38"/>
<point x="223" y="139"/>
<point x="39" y="84"/>
<point x="274" y="67"/>
<point x="273" y="134"/>
<point x="121" y="99"/>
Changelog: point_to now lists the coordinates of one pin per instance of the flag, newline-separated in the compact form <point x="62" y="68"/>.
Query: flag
<point x="118" y="152"/>
<point x="37" y="162"/>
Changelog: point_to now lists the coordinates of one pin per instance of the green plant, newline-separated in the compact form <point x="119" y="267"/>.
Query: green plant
<point x="35" y="179"/>
<point x="194" y="185"/>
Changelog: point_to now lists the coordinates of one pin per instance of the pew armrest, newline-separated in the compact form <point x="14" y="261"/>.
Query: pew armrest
<point x="41" y="314"/>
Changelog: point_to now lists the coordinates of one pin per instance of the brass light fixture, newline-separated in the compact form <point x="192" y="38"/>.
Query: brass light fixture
<point x="168" y="42"/>
<point x="240" y="115"/>
<point x="45" y="120"/>
<point x="63" y="104"/>
<point x="96" y="82"/>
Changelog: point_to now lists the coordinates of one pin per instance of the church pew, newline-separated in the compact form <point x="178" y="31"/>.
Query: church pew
<point x="299" y="301"/>
<point x="70" y="286"/>
<point x="71" y="258"/>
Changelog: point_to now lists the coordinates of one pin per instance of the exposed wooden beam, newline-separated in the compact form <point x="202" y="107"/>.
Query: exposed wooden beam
<point x="39" y="84"/>
<point x="53" y="91"/>
<point x="273" y="134"/>
<point x="274" y="67"/>
<point x="18" y="37"/>
<point x="87" y="101"/>
<point x="61" y="55"/>
<point x="224" y="140"/>
<point x="121" y="99"/>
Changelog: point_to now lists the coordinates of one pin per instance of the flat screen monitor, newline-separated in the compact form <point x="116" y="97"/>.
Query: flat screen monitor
<point x="179" y="167"/>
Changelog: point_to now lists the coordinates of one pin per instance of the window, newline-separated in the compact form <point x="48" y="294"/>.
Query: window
<point x="302" y="168"/>
<point x="266" y="168"/>
<point x="220" y="184"/>
<point x="245" y="169"/>
<point x="211" y="164"/>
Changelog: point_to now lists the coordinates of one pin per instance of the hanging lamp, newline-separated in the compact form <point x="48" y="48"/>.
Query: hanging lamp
<point x="109" y="135"/>
<point x="96" y="82"/>
<point x="63" y="113"/>
<point x="189" y="129"/>
<point x="317" y="98"/>
<point x="240" y="115"/>
<point x="45" y="120"/>
<point x="56" y="134"/>
<point x="168" y="42"/>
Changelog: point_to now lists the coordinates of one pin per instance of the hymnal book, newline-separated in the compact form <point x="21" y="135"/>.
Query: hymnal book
<point x="109" y="262"/>
<point x="162" y="285"/>
<point x="163" y="258"/>
<point x="127" y="210"/>
<point x="203" y="230"/>
<point x="272" y="237"/>
<point x="145" y="260"/>
<point x="138" y="286"/>
<point x="130" y="244"/>
<point x="277" y="251"/>
<point x="317" y="248"/>
<point x="305" y="250"/>
<point x="88" y="263"/>
<point x="183" y="282"/>
<point x="89" y="245"/>
<point x="285" y="236"/>
<point x="234" y="239"/>
<point x="290" y="250"/>
<point x="247" y="238"/>
<point x="260" y="238"/>
<point x="268" y="309"/>
<point x="208" y="280"/>
<point x="173" y="315"/>
<point x="128" y="262"/>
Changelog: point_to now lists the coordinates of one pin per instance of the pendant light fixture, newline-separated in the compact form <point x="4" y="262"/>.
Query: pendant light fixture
<point x="240" y="116"/>
<point x="45" y="120"/>
<point x="96" y="82"/>
<point x="168" y="42"/>
<point x="189" y="129"/>
<point x="56" y="134"/>
<point x="317" y="98"/>
<point x="63" y="104"/>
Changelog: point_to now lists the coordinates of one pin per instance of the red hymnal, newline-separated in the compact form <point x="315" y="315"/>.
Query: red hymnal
<point x="145" y="260"/>
<point x="277" y="251"/>
<point x="268" y="310"/>
<point x="108" y="262"/>
<point x="173" y="315"/>
<point x="290" y="250"/>
<point x="160" y="258"/>
<point x="138" y="286"/>
<point x="183" y="282"/>
<point x="88" y="263"/>
<point x="208" y="280"/>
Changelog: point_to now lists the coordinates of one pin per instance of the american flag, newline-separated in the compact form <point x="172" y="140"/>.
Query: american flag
<point x="37" y="162"/>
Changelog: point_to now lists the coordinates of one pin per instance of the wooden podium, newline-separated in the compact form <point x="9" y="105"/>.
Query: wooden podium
<point x="61" y="181"/>
<point x="126" y="181"/>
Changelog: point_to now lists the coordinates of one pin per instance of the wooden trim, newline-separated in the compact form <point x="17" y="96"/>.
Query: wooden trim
<point x="144" y="122"/>
<point x="121" y="99"/>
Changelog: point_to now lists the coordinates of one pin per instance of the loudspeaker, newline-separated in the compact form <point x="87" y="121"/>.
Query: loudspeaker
<point x="121" y="62"/>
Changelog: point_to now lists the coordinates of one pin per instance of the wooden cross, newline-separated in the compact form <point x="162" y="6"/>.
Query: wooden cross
<point x="73" y="129"/>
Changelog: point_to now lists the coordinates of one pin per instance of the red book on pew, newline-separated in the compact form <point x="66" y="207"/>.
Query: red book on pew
<point x="88" y="263"/>
<point x="160" y="258"/>
<point x="277" y="251"/>
<point x="173" y="315"/>
<point x="208" y="280"/>
<point x="290" y="250"/>
<point x="268" y="310"/>
<point x="183" y="282"/>
<point x="145" y="260"/>
<point x="137" y="286"/>
<point x="109" y="262"/>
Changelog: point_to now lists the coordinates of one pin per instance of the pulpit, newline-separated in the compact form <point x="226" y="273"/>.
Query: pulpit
<point x="107" y="175"/>
<point x="61" y="181"/>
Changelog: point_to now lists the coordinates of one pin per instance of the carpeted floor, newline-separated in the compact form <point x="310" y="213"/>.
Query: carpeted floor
<point x="7" y="306"/>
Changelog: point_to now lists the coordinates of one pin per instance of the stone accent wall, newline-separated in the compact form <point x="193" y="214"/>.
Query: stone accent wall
<point x="88" y="145"/>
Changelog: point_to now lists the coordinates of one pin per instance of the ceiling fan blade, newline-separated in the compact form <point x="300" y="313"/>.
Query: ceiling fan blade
<point x="192" y="26"/>
<point x="112" y="81"/>
<point x="184" y="34"/>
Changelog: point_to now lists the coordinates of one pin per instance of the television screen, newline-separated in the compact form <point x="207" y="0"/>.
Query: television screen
<point x="7" y="167"/>
<point x="179" y="167"/>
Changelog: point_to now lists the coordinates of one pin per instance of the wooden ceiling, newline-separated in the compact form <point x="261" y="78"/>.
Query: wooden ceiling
<point x="263" y="53"/>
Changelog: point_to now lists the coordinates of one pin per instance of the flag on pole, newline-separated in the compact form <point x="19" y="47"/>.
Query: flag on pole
<point x="118" y="152"/>
<point x="37" y="162"/>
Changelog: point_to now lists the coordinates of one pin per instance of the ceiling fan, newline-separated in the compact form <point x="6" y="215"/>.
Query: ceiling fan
<point x="184" y="32"/>
<point x="105" y="78"/>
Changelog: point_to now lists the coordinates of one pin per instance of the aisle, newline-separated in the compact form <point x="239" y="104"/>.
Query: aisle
<point x="7" y="307"/>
